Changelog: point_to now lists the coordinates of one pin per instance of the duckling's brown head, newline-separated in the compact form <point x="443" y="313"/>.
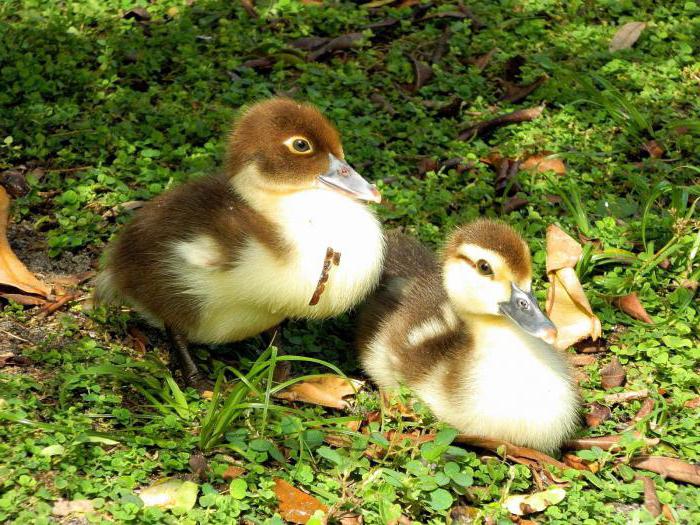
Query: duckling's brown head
<point x="487" y="270"/>
<point x="282" y="146"/>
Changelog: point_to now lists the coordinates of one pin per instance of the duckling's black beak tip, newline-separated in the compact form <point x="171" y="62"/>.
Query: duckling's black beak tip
<point x="343" y="178"/>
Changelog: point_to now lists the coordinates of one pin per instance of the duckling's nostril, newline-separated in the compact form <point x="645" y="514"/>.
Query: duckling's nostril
<point x="523" y="304"/>
<point x="344" y="171"/>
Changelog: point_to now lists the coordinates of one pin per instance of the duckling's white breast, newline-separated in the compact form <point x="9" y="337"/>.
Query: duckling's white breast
<point x="514" y="387"/>
<point x="263" y="287"/>
<point x="313" y="221"/>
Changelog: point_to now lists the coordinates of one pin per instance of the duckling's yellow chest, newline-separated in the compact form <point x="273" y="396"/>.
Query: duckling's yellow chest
<point x="264" y="287"/>
<point x="519" y="388"/>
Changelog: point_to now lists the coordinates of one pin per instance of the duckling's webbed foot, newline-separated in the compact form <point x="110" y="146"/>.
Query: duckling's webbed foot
<point x="180" y="354"/>
<point x="283" y="369"/>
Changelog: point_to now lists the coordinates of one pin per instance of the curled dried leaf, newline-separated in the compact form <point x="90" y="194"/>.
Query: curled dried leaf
<point x="326" y="390"/>
<point x="521" y="504"/>
<point x="567" y="304"/>
<point x="15" y="278"/>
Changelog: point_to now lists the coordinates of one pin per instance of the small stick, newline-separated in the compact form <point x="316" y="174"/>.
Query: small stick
<point x="623" y="397"/>
<point x="482" y="128"/>
<point x="10" y="334"/>
<point x="510" y="449"/>
<point x="47" y="310"/>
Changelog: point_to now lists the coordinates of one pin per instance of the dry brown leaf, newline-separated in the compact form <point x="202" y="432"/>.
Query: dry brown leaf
<point x="26" y="300"/>
<point x="567" y="304"/>
<point x="651" y="500"/>
<point x="669" y="467"/>
<point x="631" y="306"/>
<point x="482" y="61"/>
<point x="340" y="43"/>
<point x="543" y="163"/>
<point x="654" y="149"/>
<point x="14" y="274"/>
<point x="644" y="410"/>
<point x="514" y="204"/>
<point x="63" y="507"/>
<point x="626" y="36"/>
<point x="613" y="374"/>
<point x="598" y="414"/>
<point x="692" y="403"/>
<point x="422" y="73"/>
<point x="326" y="390"/>
<point x="603" y="442"/>
<point x="232" y="472"/>
<point x="295" y="506"/>
<point x="338" y="440"/>
<point x="623" y="397"/>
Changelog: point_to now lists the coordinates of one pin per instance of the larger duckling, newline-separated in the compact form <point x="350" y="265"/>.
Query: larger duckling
<point x="467" y="336"/>
<point x="283" y="232"/>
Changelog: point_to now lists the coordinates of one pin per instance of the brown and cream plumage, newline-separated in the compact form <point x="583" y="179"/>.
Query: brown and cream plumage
<point x="227" y="256"/>
<point x="466" y="335"/>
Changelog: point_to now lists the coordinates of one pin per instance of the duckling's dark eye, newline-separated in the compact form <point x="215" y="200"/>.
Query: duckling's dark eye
<point x="484" y="267"/>
<point x="298" y="145"/>
<point x="301" y="145"/>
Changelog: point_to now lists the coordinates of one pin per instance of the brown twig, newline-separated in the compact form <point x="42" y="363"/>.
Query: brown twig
<point x="604" y="442"/>
<point x="249" y="8"/>
<point x="518" y="93"/>
<point x="510" y="449"/>
<point x="487" y="126"/>
<point x="50" y="308"/>
<point x="623" y="397"/>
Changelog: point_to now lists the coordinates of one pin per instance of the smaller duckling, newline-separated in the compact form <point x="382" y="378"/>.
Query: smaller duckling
<point x="468" y="337"/>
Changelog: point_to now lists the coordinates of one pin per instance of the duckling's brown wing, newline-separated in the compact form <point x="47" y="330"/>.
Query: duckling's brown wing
<point x="140" y="266"/>
<point x="407" y="265"/>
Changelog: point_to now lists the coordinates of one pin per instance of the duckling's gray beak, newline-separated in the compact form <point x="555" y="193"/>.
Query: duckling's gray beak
<point x="340" y="176"/>
<point x="523" y="310"/>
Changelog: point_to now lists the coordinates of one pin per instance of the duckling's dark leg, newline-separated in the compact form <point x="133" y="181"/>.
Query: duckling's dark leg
<point x="180" y="353"/>
<point x="284" y="368"/>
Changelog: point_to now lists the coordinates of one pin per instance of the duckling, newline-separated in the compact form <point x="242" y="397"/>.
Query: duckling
<point x="467" y="336"/>
<point x="282" y="232"/>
